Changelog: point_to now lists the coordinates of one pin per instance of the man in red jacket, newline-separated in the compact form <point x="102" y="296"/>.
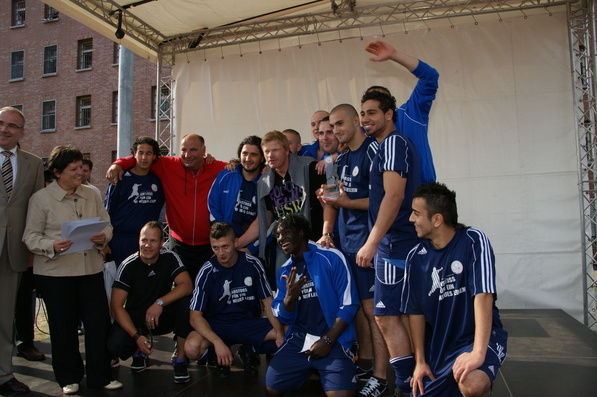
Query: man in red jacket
<point x="186" y="181"/>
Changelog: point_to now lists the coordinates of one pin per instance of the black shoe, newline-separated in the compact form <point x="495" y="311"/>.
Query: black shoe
<point x="31" y="354"/>
<point x="139" y="362"/>
<point x="181" y="372"/>
<point x="248" y="360"/>
<point x="12" y="387"/>
<point x="222" y="371"/>
<point x="362" y="376"/>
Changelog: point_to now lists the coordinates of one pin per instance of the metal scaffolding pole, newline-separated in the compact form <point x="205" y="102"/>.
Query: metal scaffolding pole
<point x="581" y="21"/>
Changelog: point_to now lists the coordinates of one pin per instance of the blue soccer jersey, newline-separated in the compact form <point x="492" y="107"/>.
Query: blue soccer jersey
<point x="231" y="293"/>
<point x="441" y="285"/>
<point x="396" y="153"/>
<point x="354" y="168"/>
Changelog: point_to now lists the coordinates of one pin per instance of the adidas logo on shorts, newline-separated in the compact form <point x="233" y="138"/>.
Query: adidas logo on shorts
<point x="380" y="305"/>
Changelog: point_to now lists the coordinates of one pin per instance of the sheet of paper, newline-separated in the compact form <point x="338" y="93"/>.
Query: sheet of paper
<point x="309" y="341"/>
<point x="80" y="232"/>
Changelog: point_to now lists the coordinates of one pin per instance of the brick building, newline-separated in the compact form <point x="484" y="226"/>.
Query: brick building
<point x="64" y="77"/>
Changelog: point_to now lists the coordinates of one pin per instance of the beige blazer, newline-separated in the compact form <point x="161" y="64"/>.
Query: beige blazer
<point x="13" y="211"/>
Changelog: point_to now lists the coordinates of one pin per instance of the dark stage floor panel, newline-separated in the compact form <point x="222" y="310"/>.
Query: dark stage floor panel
<point x="549" y="354"/>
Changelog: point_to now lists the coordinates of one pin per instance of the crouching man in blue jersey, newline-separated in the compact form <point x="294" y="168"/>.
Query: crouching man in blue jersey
<point x="449" y="294"/>
<point x="226" y="307"/>
<point x="317" y="298"/>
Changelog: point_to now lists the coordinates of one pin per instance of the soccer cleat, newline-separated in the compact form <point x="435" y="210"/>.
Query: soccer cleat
<point x="222" y="371"/>
<point x="181" y="372"/>
<point x="248" y="360"/>
<point x="373" y="388"/>
<point x="139" y="362"/>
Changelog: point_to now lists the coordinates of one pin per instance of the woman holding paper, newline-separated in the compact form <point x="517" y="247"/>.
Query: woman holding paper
<point x="69" y="276"/>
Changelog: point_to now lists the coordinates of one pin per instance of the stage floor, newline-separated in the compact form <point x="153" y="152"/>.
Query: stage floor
<point x="549" y="354"/>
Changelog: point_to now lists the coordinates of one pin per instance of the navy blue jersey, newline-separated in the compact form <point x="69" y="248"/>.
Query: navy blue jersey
<point x="441" y="285"/>
<point x="245" y="209"/>
<point x="353" y="169"/>
<point x="395" y="153"/>
<point x="309" y="317"/>
<point x="231" y="293"/>
<point x="136" y="200"/>
<point x="146" y="283"/>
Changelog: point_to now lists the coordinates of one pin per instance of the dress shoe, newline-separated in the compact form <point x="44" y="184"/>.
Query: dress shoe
<point x="12" y="387"/>
<point x="31" y="354"/>
<point x="70" y="389"/>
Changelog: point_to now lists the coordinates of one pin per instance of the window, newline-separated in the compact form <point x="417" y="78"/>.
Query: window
<point x="116" y="54"/>
<point x="17" y="65"/>
<point x="85" y="52"/>
<point x="50" y="13"/>
<point x="84" y="111"/>
<point x="114" y="107"/>
<point x="48" y="116"/>
<point x="50" y="60"/>
<point x="164" y="102"/>
<point x="18" y="12"/>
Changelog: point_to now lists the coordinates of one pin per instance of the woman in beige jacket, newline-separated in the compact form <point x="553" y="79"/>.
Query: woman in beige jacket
<point x="71" y="284"/>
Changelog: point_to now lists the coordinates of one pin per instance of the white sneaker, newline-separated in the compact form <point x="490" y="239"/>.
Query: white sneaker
<point x="113" y="385"/>
<point x="70" y="389"/>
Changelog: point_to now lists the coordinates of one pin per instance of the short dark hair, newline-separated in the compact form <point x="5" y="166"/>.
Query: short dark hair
<point x="295" y="221"/>
<point x="154" y="225"/>
<point x="251" y="140"/>
<point x="61" y="157"/>
<point x="347" y="108"/>
<point x="379" y="88"/>
<point x="89" y="163"/>
<point x="295" y="132"/>
<point x="439" y="200"/>
<point x="148" y="141"/>
<point x="326" y="118"/>
<point x="220" y="230"/>
<point x="386" y="101"/>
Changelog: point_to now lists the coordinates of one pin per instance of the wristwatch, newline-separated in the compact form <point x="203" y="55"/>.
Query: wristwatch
<point x="160" y="302"/>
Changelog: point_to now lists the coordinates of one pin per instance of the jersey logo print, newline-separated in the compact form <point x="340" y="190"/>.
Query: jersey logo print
<point x="151" y="273"/>
<point x="135" y="193"/>
<point x="423" y="251"/>
<point x="227" y="294"/>
<point x="435" y="280"/>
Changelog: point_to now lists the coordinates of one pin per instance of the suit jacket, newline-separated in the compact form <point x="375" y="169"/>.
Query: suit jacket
<point x="13" y="211"/>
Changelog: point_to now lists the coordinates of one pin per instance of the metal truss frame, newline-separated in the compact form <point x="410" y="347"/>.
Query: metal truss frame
<point x="581" y="22"/>
<point x="347" y="16"/>
<point x="164" y="102"/>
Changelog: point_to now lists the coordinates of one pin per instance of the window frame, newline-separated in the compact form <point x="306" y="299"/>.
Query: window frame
<point x="85" y="55"/>
<point x="45" y="116"/>
<point x="13" y="65"/>
<point x="50" y="14"/>
<point x="83" y="112"/>
<point x="47" y="60"/>
<point x="18" y="14"/>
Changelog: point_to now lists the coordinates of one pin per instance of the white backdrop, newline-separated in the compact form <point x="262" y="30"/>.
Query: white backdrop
<point x="502" y="129"/>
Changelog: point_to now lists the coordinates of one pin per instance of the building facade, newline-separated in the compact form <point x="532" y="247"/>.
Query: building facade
<point x="64" y="77"/>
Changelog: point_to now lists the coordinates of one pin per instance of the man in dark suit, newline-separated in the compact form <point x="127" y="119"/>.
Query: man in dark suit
<point x="22" y="175"/>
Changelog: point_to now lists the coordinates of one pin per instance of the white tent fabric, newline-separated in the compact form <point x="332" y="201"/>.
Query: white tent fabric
<point x="502" y="130"/>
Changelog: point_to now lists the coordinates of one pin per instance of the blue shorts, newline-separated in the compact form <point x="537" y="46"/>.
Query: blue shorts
<point x="247" y="332"/>
<point x="445" y="384"/>
<point x="389" y="275"/>
<point x="364" y="277"/>
<point x="289" y="369"/>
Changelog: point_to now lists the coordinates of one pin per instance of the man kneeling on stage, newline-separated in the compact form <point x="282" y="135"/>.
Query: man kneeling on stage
<point x="226" y="307"/>
<point x="145" y="304"/>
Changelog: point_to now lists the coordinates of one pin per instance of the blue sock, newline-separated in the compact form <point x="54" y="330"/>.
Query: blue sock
<point x="403" y="368"/>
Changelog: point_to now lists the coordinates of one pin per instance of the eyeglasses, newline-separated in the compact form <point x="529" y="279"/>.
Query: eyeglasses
<point x="10" y="126"/>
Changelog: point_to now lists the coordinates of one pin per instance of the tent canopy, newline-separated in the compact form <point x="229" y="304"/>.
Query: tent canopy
<point x="153" y="27"/>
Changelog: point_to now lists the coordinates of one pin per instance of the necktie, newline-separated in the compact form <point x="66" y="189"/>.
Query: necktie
<point x="7" y="172"/>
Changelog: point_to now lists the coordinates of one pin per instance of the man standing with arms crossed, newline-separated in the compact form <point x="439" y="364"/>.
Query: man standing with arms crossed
<point x="22" y="175"/>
